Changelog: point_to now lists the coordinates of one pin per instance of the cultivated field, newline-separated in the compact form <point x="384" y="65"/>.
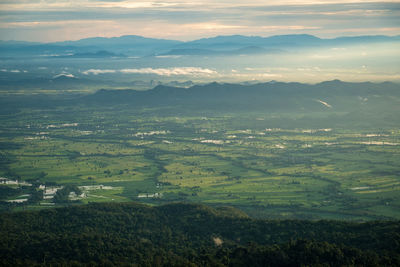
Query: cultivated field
<point x="243" y="160"/>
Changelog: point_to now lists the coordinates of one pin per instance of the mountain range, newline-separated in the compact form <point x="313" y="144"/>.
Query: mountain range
<point x="132" y="45"/>
<point x="328" y="104"/>
<point x="260" y="93"/>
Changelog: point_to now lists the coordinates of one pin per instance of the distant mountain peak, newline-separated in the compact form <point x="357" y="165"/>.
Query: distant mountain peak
<point x="64" y="76"/>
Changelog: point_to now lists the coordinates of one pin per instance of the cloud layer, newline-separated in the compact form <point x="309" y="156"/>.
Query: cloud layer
<point x="193" y="71"/>
<point x="58" y="20"/>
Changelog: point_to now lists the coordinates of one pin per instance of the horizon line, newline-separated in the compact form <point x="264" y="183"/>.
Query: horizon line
<point x="209" y="37"/>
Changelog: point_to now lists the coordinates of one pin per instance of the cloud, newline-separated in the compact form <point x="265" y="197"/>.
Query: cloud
<point x="288" y="27"/>
<point x="59" y="20"/>
<point x="47" y="24"/>
<point x="97" y="71"/>
<point x="194" y="71"/>
<point x="212" y="26"/>
<point x="131" y="4"/>
<point x="12" y="71"/>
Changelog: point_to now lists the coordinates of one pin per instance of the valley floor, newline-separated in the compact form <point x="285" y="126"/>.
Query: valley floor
<point x="271" y="165"/>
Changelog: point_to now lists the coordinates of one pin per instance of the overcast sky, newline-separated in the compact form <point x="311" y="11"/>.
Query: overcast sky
<point x="59" y="20"/>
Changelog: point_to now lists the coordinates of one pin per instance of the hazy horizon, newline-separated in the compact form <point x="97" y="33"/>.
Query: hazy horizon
<point x="61" y="20"/>
<point x="205" y="37"/>
<point x="234" y="60"/>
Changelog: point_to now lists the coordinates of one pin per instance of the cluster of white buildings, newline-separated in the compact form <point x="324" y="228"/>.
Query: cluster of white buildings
<point x="150" y="195"/>
<point x="7" y="181"/>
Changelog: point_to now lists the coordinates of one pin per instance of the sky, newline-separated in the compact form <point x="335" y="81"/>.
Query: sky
<point x="60" y="20"/>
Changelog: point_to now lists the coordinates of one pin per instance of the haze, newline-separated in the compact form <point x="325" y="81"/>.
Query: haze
<point x="60" y="20"/>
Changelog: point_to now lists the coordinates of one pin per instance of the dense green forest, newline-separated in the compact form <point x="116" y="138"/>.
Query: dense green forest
<point x="180" y="234"/>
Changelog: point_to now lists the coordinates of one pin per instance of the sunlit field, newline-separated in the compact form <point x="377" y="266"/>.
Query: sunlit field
<point x="244" y="160"/>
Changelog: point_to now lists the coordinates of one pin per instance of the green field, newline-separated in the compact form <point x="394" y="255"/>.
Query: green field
<point x="243" y="160"/>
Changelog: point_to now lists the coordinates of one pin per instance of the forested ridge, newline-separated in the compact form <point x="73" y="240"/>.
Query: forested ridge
<point x="179" y="234"/>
